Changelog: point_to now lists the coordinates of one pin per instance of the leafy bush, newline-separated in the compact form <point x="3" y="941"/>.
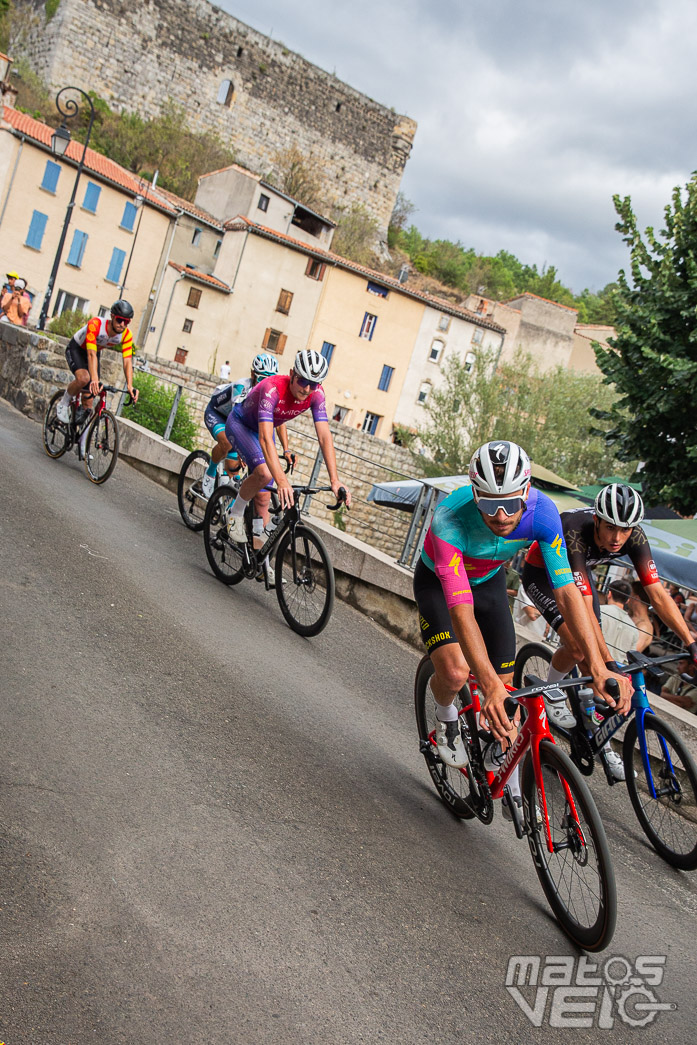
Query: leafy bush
<point x="67" y="323"/>
<point x="153" y="408"/>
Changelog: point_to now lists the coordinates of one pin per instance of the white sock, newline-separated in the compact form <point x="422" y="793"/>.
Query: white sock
<point x="257" y="527"/>
<point x="66" y="398"/>
<point x="238" y="507"/>
<point x="555" y="675"/>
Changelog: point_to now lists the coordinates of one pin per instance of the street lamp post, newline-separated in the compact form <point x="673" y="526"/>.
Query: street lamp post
<point x="60" y="139"/>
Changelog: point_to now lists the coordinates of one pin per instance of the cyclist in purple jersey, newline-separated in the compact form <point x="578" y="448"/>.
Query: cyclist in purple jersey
<point x="250" y="427"/>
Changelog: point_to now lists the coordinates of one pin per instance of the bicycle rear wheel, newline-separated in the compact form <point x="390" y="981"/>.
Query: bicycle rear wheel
<point x="192" y="504"/>
<point x="226" y="557"/>
<point x="451" y="784"/>
<point x="102" y="447"/>
<point x="577" y="877"/>
<point x="304" y="581"/>
<point x="669" y="820"/>
<point x="55" y="432"/>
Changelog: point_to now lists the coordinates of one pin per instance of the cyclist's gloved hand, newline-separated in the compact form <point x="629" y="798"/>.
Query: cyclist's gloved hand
<point x="692" y="650"/>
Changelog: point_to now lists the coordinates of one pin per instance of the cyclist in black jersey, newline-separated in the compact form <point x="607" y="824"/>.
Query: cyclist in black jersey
<point x="609" y="531"/>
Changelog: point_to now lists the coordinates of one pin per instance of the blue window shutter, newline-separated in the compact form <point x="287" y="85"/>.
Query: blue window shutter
<point x="129" y="216"/>
<point x="51" y="175"/>
<point x="117" y="259"/>
<point x="77" y="248"/>
<point x="92" y="193"/>
<point x="385" y="378"/>
<point x="37" y="227"/>
<point x="328" y="351"/>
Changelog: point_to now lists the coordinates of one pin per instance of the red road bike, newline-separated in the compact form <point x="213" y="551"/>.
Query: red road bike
<point x="566" y="837"/>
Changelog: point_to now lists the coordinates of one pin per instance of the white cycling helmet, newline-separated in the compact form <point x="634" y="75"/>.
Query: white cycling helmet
<point x="619" y="505"/>
<point x="499" y="469"/>
<point x="311" y="365"/>
<point x="265" y="365"/>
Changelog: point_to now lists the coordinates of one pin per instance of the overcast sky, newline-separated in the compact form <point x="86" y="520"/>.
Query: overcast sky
<point x="531" y="114"/>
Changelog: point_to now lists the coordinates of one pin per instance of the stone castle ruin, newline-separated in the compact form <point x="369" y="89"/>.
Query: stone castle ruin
<point x="258" y="96"/>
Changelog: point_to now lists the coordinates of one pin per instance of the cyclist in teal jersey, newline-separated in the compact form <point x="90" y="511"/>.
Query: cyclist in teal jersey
<point x="460" y="590"/>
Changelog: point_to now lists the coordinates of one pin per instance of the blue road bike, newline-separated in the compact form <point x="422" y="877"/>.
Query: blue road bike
<point x="660" y="772"/>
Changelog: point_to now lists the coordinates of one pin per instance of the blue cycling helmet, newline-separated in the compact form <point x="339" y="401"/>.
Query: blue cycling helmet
<point x="265" y="365"/>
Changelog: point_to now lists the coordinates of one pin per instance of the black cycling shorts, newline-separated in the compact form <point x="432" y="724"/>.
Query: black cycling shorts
<point x="76" y="356"/>
<point x="491" y="612"/>
<point x="541" y="593"/>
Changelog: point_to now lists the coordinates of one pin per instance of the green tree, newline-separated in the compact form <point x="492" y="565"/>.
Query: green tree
<point x="68" y="322"/>
<point x="153" y="409"/>
<point x="549" y="414"/>
<point x="652" y="362"/>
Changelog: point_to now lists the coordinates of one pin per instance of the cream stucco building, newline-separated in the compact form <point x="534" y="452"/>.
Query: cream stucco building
<point x="116" y="236"/>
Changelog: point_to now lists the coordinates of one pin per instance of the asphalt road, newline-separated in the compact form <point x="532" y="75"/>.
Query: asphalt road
<point x="214" y="831"/>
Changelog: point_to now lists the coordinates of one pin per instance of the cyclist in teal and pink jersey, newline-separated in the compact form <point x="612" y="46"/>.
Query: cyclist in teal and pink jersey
<point x="250" y="426"/>
<point x="460" y="590"/>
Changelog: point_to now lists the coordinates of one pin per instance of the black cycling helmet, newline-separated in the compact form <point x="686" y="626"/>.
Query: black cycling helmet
<point x="122" y="308"/>
<point x="619" y="505"/>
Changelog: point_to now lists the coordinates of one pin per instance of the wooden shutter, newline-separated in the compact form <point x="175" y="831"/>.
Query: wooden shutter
<point x="281" y="344"/>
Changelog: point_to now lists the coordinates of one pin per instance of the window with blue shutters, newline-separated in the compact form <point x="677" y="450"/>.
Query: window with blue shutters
<point x="129" y="216"/>
<point x="370" y="423"/>
<point x="37" y="227"/>
<point x="51" y="175"/>
<point x="92" y="193"/>
<point x="327" y="350"/>
<point x="385" y="378"/>
<point x="117" y="259"/>
<point x="77" y="249"/>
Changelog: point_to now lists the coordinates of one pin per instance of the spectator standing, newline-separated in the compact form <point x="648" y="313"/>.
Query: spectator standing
<point x="225" y="371"/>
<point x="9" y="285"/>
<point x="619" y="630"/>
<point x="15" y="305"/>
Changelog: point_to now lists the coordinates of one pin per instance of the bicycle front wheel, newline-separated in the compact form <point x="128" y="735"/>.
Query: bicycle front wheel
<point x="192" y="504"/>
<point x="577" y="876"/>
<point x="55" y="432"/>
<point x="451" y="784"/>
<point x="531" y="659"/>
<point x="102" y="447"/>
<point x="226" y="557"/>
<point x="304" y="581"/>
<point x="669" y="820"/>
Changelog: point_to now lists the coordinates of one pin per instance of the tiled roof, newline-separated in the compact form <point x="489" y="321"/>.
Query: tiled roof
<point x="202" y="277"/>
<point x="191" y="208"/>
<point x="241" y="223"/>
<point x="95" y="163"/>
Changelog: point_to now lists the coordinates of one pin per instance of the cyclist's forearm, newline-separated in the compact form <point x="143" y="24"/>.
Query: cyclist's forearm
<point x="283" y="437"/>
<point x="668" y="611"/>
<point x="128" y="373"/>
<point x="92" y="365"/>
<point x="597" y="631"/>
<point x="570" y="602"/>
<point x="326" y="445"/>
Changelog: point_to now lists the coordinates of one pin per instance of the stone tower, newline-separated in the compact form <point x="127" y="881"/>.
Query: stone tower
<point x="256" y="94"/>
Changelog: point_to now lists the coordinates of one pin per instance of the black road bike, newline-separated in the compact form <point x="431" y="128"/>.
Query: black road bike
<point x="303" y="573"/>
<point x="660" y="772"/>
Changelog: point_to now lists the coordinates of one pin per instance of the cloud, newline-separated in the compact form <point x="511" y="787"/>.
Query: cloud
<point x="531" y="116"/>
